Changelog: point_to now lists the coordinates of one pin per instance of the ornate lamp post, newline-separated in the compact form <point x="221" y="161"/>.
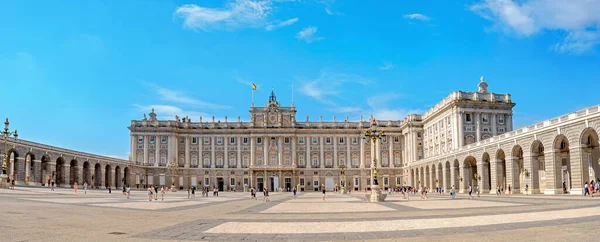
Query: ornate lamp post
<point x="343" y="173"/>
<point x="173" y="166"/>
<point x="5" y="135"/>
<point x="372" y="135"/>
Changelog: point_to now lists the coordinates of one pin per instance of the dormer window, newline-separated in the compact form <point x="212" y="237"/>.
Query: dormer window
<point x="484" y="118"/>
<point x="140" y="139"/>
<point x="328" y="140"/>
<point x="206" y="140"/>
<point x="152" y="139"/>
<point x="341" y="140"/>
<point x="219" y="140"/>
<point x="163" y="139"/>
<point x="286" y="140"/>
<point x="301" y="140"/>
<point x="501" y="118"/>
<point x="315" y="140"/>
<point x="194" y="140"/>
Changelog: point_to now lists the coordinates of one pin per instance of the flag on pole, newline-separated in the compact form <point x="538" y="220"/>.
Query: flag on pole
<point x="253" y="86"/>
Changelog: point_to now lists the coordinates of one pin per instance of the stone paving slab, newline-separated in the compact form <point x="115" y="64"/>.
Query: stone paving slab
<point x="154" y="205"/>
<point x="453" y="204"/>
<point x="326" y="207"/>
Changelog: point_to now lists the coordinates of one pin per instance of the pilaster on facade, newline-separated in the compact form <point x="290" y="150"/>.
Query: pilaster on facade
<point x="322" y="149"/>
<point x="187" y="152"/>
<point x="252" y="151"/>
<point x="225" y="153"/>
<point x="308" y="156"/>
<point x="335" y="152"/>
<point x="213" y="161"/>
<point x="145" y="160"/>
<point x="362" y="154"/>
<point x="477" y="126"/>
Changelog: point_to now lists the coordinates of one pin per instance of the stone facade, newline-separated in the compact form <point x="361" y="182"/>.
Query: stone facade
<point x="276" y="151"/>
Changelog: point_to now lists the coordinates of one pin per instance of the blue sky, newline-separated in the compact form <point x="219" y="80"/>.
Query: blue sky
<point x="75" y="73"/>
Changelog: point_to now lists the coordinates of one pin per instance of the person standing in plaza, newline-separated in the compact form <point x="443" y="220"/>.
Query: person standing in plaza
<point x="128" y="191"/>
<point x="452" y="192"/>
<point x="109" y="189"/>
<point x="85" y="188"/>
<point x="162" y="193"/>
<point x="155" y="193"/>
<point x="149" y="194"/>
<point x="470" y="192"/>
<point x="12" y="184"/>
<point x="586" y="190"/>
<point x="294" y="191"/>
<point x="75" y="187"/>
<point x="52" y="186"/>
<point x="189" y="191"/>
<point x="323" y="194"/>
<point x="509" y="189"/>
<point x="193" y="192"/>
<point x="477" y="190"/>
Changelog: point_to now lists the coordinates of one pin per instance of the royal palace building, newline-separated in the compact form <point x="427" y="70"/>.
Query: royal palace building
<point x="277" y="151"/>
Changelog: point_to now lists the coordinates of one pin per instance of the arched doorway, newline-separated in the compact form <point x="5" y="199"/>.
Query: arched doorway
<point x="517" y="170"/>
<point x="73" y="174"/>
<point x="30" y="168"/>
<point x="126" y="176"/>
<point x="60" y="172"/>
<point x="538" y="168"/>
<point x="12" y="164"/>
<point x="45" y="176"/>
<point x="427" y="180"/>
<point x="440" y="176"/>
<point x="469" y="174"/>
<point x="86" y="173"/>
<point x="97" y="177"/>
<point x="589" y="155"/>
<point x="107" y="180"/>
<point x="118" y="180"/>
<point x="563" y="158"/>
<point x="501" y="170"/>
<point x="447" y="181"/>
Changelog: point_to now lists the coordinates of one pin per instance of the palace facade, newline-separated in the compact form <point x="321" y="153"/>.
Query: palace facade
<point x="277" y="151"/>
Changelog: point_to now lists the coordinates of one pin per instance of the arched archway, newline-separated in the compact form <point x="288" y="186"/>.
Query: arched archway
<point x="118" y="180"/>
<point x="45" y="175"/>
<point x="73" y="174"/>
<point x="501" y="170"/>
<point x="107" y="178"/>
<point x="86" y="173"/>
<point x="517" y="172"/>
<point x="97" y="177"/>
<point x="562" y="160"/>
<point x="440" y="176"/>
<point x="12" y="164"/>
<point x="126" y="176"/>
<point x="427" y="181"/>
<point x="30" y="168"/>
<point x="60" y="172"/>
<point x="469" y="173"/>
<point x="589" y="155"/>
<point x="447" y="180"/>
<point x="454" y="174"/>
<point x="538" y="168"/>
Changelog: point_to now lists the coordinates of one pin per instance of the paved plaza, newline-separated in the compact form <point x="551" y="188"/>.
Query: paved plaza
<point x="38" y="214"/>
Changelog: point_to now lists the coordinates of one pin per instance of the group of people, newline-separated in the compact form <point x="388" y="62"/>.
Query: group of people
<point x="591" y="188"/>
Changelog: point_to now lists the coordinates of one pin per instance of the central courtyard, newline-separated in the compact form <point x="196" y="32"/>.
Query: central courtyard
<point x="38" y="214"/>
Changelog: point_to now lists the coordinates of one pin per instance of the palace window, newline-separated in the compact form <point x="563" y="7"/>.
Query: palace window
<point x="259" y="140"/>
<point x="315" y="161"/>
<point x="328" y="140"/>
<point x="316" y="183"/>
<point x="245" y="140"/>
<point x="245" y="181"/>
<point x="194" y="140"/>
<point x="140" y="139"/>
<point x="286" y="140"/>
<point x="232" y="140"/>
<point x="419" y="134"/>
<point x="341" y="140"/>
<point x="232" y="182"/>
<point x="500" y="130"/>
<point x="396" y="139"/>
<point x="206" y="162"/>
<point x="301" y="140"/>
<point x="386" y="181"/>
<point x="468" y="117"/>
<point x="398" y="181"/>
<point x="163" y="139"/>
<point x="368" y="181"/>
<point x="206" y="181"/>
<point x="501" y="118"/>
<point x="384" y="139"/>
<point x="301" y="181"/>
<point x="315" y="140"/>
<point x="356" y="181"/>
<point x="206" y="140"/>
<point x="245" y="162"/>
<point x="181" y="140"/>
<point x="152" y="139"/>
<point x="194" y="161"/>
<point x="354" y="140"/>
<point x="219" y="140"/>
<point x="484" y="118"/>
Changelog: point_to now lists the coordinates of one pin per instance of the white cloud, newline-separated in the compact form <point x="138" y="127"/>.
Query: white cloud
<point x="393" y="114"/>
<point x="236" y="14"/>
<point x="387" y="66"/>
<point x="347" y="109"/>
<point x="417" y="16"/>
<point x="578" y="19"/>
<point x="328" y="11"/>
<point x="328" y="86"/>
<point x="281" y="24"/>
<point x="382" y="109"/>
<point x="170" y="95"/>
<point x="307" y="34"/>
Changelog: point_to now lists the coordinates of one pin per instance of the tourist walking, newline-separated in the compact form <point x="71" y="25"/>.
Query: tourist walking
<point x="52" y="186"/>
<point x="128" y="191"/>
<point x="189" y="190"/>
<point x="509" y="189"/>
<point x="470" y="192"/>
<point x="149" y="194"/>
<point x="155" y="193"/>
<point x="294" y="191"/>
<point x="75" y="187"/>
<point x="85" y="188"/>
<point x="193" y="192"/>
<point x="323" y="194"/>
<point x="586" y="190"/>
<point x="109" y="189"/>
<point x="12" y="184"/>
<point x="452" y="192"/>
<point x="162" y="193"/>
<point x="478" y="191"/>
<point x="266" y="194"/>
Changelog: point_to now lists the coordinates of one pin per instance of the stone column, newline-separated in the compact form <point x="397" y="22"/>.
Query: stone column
<point x="157" y="142"/>
<point x="348" y="155"/>
<point x="213" y="161"/>
<point x="280" y="150"/>
<point x="308" y="158"/>
<point x="579" y="169"/>
<point x="445" y="179"/>
<point x="335" y="152"/>
<point x="461" y="129"/>
<point x="494" y="130"/>
<point x="102" y="179"/>
<point x="480" y="182"/>
<point x="226" y="153"/>
<point x="80" y="175"/>
<point x="512" y="174"/>
<point x="391" y="152"/>
<point x="411" y="180"/>
<point x="293" y="140"/>
<point x="464" y="173"/>
<point x="362" y="154"/>
<point x="322" y="159"/>
<point x="239" y="153"/>
<point x="66" y="171"/>
<point x="38" y="180"/>
<point x="133" y="147"/>
<point x="145" y="160"/>
<point x="509" y="123"/>
<point x="531" y="164"/>
<point x="112" y="181"/>
<point x="265" y="151"/>
<point x="252" y="151"/>
<point x="171" y="149"/>
<point x="477" y="127"/>
<point x="187" y="153"/>
<point x="200" y="154"/>
<point x="495" y="176"/>
<point x="553" y="172"/>
<point x="437" y="176"/>
<point x="20" y="170"/>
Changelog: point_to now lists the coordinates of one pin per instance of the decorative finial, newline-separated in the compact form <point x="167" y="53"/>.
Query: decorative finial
<point x="482" y="79"/>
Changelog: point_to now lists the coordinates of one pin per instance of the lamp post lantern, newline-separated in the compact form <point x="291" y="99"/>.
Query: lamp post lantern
<point x="343" y="177"/>
<point x="5" y="135"/>
<point x="373" y="135"/>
